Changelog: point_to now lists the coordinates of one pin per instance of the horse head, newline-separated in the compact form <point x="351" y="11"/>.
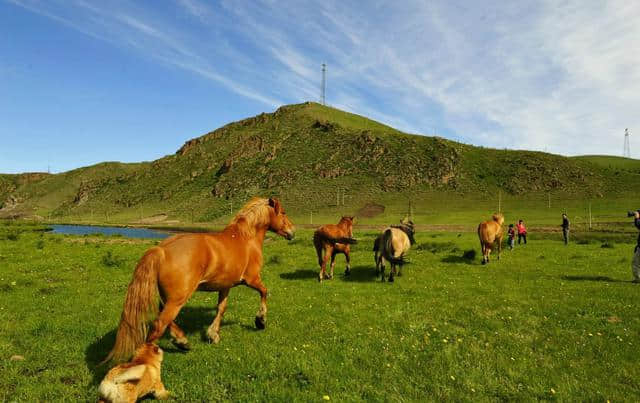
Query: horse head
<point x="410" y="231"/>
<point x="499" y="218"/>
<point x="278" y="220"/>
<point x="346" y="222"/>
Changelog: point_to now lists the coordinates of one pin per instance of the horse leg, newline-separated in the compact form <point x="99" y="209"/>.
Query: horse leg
<point x="178" y="338"/>
<point x="392" y="272"/>
<point x="323" y="266"/>
<point x="168" y="314"/>
<point x="261" y="316"/>
<point x="214" y="330"/>
<point x="484" y="253"/>
<point x="499" y="247"/>
<point x="347" y="271"/>
<point x="333" y="262"/>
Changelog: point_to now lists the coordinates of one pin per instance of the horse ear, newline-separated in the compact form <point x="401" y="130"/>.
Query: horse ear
<point x="275" y="204"/>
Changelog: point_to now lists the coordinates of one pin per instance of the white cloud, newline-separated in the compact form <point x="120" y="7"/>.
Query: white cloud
<point x="544" y="75"/>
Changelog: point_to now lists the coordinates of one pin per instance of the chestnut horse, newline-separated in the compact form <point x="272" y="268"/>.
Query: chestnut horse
<point x="332" y="239"/>
<point x="394" y="242"/>
<point x="490" y="232"/>
<point x="184" y="263"/>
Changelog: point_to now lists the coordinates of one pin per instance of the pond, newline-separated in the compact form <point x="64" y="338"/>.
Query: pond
<point x="123" y="231"/>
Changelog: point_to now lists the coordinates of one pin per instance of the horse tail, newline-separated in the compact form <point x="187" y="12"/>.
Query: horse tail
<point x="480" y="236"/>
<point x="345" y="240"/>
<point x="387" y="244"/>
<point x="376" y="246"/>
<point x="140" y="304"/>
<point x="317" y="242"/>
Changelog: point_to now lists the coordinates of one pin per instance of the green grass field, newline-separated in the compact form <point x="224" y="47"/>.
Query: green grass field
<point x="545" y="322"/>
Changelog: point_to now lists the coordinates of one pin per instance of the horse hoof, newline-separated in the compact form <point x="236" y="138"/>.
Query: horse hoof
<point x="214" y="338"/>
<point x="347" y="272"/>
<point x="261" y="322"/>
<point x="182" y="345"/>
<point x="391" y="279"/>
<point x="399" y="274"/>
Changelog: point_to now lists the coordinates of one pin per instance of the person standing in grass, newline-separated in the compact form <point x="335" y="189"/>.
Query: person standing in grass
<point x="635" y="263"/>
<point x="522" y="232"/>
<point x="511" y="234"/>
<point x="565" y="228"/>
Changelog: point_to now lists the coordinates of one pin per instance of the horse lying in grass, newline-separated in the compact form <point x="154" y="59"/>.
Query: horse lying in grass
<point x="331" y="239"/>
<point x="184" y="263"/>
<point x="490" y="232"/>
<point x="391" y="246"/>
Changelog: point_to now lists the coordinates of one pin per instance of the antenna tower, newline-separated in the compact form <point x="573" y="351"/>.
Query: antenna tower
<point x="627" y="147"/>
<point x="324" y="83"/>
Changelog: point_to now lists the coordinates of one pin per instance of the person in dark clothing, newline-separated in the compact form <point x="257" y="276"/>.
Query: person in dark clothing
<point x="635" y="263"/>
<point x="511" y="233"/>
<point x="565" y="228"/>
<point x="522" y="232"/>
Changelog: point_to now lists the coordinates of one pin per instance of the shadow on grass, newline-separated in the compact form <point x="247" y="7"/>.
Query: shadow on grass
<point x="457" y="259"/>
<point x="592" y="278"/>
<point x="300" y="274"/>
<point x="193" y="320"/>
<point x="361" y="274"/>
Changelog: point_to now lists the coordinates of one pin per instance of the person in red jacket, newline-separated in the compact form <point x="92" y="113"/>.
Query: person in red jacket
<point x="522" y="232"/>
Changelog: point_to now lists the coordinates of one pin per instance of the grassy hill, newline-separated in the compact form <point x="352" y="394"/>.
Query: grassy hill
<point x="315" y="158"/>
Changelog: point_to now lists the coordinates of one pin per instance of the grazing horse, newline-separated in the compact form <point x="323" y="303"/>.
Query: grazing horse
<point x="392" y="245"/>
<point x="332" y="239"/>
<point x="184" y="263"/>
<point x="490" y="232"/>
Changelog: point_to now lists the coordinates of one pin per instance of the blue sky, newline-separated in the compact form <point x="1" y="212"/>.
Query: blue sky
<point x="88" y="81"/>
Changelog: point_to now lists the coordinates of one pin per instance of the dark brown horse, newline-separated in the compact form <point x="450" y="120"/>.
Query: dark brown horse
<point x="331" y="239"/>
<point x="184" y="263"/>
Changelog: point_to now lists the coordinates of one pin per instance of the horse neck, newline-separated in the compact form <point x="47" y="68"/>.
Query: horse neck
<point x="344" y="225"/>
<point x="257" y="233"/>
<point x="405" y="228"/>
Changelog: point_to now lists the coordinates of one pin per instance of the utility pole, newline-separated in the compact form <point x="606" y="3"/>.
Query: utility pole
<point x="500" y="201"/>
<point x="324" y="84"/>
<point x="627" y="146"/>
<point x="311" y="217"/>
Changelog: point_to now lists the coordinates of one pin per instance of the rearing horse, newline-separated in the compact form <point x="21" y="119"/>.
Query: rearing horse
<point x="184" y="263"/>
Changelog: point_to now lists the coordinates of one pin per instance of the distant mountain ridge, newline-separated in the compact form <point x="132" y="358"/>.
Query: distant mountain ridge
<point x="301" y="152"/>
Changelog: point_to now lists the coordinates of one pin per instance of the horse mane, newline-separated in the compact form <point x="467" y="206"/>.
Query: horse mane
<point x="497" y="217"/>
<point x="252" y="215"/>
<point x="408" y="230"/>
